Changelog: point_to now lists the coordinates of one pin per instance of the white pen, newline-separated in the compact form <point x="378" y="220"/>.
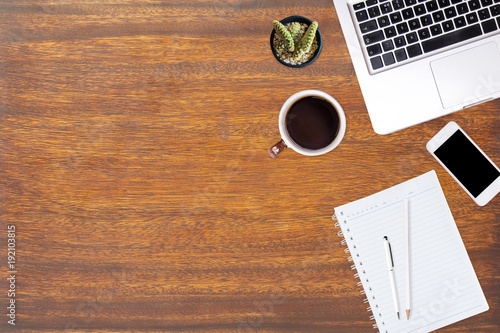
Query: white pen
<point x="390" y="265"/>
<point x="407" y="257"/>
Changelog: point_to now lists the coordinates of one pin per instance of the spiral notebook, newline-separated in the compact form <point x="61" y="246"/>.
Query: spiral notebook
<point x="444" y="288"/>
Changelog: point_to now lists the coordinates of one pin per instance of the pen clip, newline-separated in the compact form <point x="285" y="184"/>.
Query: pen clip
<point x="390" y="260"/>
<point x="390" y="254"/>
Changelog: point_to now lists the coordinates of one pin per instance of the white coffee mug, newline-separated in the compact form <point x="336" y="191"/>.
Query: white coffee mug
<point x="287" y="141"/>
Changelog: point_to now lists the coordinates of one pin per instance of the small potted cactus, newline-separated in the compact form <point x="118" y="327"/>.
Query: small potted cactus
<point x="295" y="41"/>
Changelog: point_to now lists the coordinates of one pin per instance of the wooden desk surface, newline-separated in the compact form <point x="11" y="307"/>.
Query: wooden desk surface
<point x="134" y="167"/>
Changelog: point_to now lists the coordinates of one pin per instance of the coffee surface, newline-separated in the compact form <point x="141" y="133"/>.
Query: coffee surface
<point x="312" y="123"/>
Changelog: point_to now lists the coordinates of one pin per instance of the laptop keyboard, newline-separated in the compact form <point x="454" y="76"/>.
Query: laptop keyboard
<point x="395" y="32"/>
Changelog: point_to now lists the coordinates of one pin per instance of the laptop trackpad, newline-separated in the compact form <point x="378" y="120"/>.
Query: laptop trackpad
<point x="469" y="76"/>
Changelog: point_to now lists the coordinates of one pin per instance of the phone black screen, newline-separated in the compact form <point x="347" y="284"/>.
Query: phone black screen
<point x="467" y="163"/>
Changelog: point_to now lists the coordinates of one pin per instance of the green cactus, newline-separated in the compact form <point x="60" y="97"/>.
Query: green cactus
<point x="306" y="41"/>
<point x="290" y="40"/>
<point x="280" y="46"/>
<point x="284" y="34"/>
<point x="298" y="52"/>
<point x="308" y="38"/>
<point x="294" y="30"/>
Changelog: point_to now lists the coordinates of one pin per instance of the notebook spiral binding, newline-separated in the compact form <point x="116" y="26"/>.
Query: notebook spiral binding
<point x="358" y="275"/>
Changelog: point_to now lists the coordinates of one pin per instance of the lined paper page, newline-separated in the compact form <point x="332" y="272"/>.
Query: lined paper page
<point x="443" y="285"/>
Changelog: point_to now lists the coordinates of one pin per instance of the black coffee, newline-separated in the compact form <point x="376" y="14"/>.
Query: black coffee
<point x="312" y="122"/>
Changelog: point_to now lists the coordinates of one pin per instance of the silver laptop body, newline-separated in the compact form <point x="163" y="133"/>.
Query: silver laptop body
<point x="419" y="60"/>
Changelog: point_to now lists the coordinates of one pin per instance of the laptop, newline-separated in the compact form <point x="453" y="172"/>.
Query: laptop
<point x="417" y="60"/>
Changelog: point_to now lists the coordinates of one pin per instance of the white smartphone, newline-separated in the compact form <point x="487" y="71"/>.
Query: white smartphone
<point x="466" y="163"/>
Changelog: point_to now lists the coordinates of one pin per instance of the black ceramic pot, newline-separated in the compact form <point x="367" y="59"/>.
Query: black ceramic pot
<point x="299" y="19"/>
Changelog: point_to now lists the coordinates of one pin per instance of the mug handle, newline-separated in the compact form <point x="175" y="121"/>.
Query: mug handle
<point x="277" y="148"/>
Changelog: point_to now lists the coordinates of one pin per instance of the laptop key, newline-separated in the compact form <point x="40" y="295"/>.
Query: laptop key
<point x="431" y="5"/>
<point x="376" y="62"/>
<point x="412" y="37"/>
<point x="388" y="45"/>
<point x="398" y="4"/>
<point x="400" y="55"/>
<point x="436" y="30"/>
<point x="407" y="13"/>
<point x="438" y="16"/>
<point x="373" y="50"/>
<point x="399" y="41"/>
<point x="484" y="14"/>
<point x="373" y="12"/>
<point x="373" y="37"/>
<point x="495" y="10"/>
<point x="424" y="33"/>
<point x="474" y="4"/>
<point x="460" y="22"/>
<point x="489" y="26"/>
<point x="402" y="28"/>
<point x="358" y="6"/>
<point x="419" y="10"/>
<point x="386" y="7"/>
<point x="368" y="26"/>
<point x="383" y="21"/>
<point x="414" y="24"/>
<point x="448" y="26"/>
<point x="443" y="3"/>
<point x="451" y="38"/>
<point x="390" y="32"/>
<point x="462" y="8"/>
<point x="450" y="12"/>
<point x="471" y="18"/>
<point x="426" y="20"/>
<point x="362" y="15"/>
<point x="396" y="17"/>
<point x="388" y="59"/>
<point x="414" y="50"/>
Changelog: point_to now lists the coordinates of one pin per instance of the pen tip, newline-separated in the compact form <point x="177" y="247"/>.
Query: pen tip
<point x="408" y="314"/>
<point x="398" y="315"/>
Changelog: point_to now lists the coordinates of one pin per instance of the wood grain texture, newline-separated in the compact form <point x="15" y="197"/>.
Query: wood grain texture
<point x="134" y="166"/>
